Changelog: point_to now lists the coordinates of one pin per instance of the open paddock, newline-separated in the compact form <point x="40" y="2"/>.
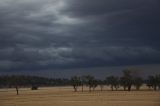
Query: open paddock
<point x="64" y="96"/>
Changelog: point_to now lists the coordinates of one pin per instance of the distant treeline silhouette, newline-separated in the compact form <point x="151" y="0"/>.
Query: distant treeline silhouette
<point x="127" y="81"/>
<point x="27" y="81"/>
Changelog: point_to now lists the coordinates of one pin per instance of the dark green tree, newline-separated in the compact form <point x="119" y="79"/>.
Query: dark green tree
<point x="90" y="81"/>
<point x="152" y="81"/>
<point x="101" y="84"/>
<point x="83" y="82"/>
<point x="15" y="82"/>
<point x="75" y="81"/>
<point x="113" y="82"/>
<point x="127" y="80"/>
<point x="123" y="83"/>
<point x="138" y="82"/>
<point x="158" y="81"/>
<point x="94" y="84"/>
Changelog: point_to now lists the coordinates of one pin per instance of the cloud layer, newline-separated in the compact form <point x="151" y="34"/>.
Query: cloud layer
<point x="51" y="34"/>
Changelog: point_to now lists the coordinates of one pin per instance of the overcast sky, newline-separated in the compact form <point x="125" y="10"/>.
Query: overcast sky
<point x="40" y="35"/>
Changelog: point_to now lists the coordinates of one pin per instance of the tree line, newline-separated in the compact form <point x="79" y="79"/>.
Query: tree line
<point x="21" y="81"/>
<point x="26" y="81"/>
<point x="127" y="81"/>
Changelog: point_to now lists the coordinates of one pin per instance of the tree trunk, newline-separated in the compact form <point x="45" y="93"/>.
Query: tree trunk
<point x="75" y="89"/>
<point x="155" y="87"/>
<point x="101" y="87"/>
<point x="17" y="90"/>
<point x="129" y="88"/>
<point x="137" y="88"/>
<point x="112" y="87"/>
<point x="89" y="89"/>
<point x="116" y="88"/>
<point x="82" y="87"/>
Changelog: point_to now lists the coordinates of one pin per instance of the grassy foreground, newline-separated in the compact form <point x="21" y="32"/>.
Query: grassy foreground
<point x="64" y="96"/>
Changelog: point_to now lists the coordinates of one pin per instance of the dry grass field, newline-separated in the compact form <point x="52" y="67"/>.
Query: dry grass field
<point x="64" y="96"/>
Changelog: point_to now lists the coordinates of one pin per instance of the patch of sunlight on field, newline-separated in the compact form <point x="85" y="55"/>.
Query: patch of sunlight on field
<point x="64" y="96"/>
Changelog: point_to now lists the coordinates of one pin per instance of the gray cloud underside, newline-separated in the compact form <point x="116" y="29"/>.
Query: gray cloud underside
<point x="50" y="34"/>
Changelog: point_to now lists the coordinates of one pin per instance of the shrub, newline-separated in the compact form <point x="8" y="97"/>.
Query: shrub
<point x="34" y="88"/>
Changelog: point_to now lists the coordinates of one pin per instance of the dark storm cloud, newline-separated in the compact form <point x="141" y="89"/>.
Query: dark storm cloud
<point x="126" y="19"/>
<point x="50" y="34"/>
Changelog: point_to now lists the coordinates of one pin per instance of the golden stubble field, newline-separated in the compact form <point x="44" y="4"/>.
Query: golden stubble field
<point x="64" y="96"/>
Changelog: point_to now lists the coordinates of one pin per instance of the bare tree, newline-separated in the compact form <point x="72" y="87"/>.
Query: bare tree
<point x="15" y="82"/>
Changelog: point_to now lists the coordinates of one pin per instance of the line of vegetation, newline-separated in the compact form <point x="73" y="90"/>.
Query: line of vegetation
<point x="127" y="81"/>
<point x="33" y="82"/>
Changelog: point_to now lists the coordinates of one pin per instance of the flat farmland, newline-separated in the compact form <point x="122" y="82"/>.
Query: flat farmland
<point x="64" y="96"/>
